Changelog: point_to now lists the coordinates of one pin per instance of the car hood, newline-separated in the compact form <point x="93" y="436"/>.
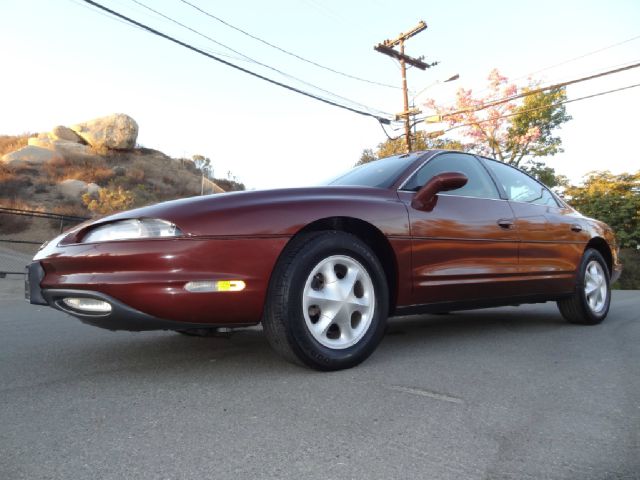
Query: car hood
<point x="262" y="212"/>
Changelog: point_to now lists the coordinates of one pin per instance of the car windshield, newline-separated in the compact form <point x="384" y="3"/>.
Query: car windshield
<point x="379" y="173"/>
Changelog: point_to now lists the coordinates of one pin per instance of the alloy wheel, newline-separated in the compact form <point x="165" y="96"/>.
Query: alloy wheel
<point x="338" y="302"/>
<point x="595" y="286"/>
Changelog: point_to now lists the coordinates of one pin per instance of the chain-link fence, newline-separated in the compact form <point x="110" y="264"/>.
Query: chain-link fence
<point x="23" y="231"/>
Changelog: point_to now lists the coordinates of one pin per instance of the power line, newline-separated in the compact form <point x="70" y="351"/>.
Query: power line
<point x="500" y="101"/>
<point x="593" y="71"/>
<point x="103" y="14"/>
<point x="579" y="57"/>
<point x="387" y="134"/>
<point x="292" y="54"/>
<point x="257" y="62"/>
<point x="195" y="31"/>
<point x="325" y="10"/>
<point x="123" y="22"/>
<point x="232" y="65"/>
<point x="564" y="102"/>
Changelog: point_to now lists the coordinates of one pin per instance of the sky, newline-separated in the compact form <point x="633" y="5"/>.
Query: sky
<point x="65" y="62"/>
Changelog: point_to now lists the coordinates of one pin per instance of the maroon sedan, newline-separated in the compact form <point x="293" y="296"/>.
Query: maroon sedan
<point x="322" y="268"/>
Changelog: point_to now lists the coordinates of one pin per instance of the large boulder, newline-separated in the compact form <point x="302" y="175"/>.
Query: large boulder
<point x="30" y="155"/>
<point x="62" y="146"/>
<point x="115" y="132"/>
<point x="61" y="132"/>
<point x="65" y="146"/>
<point x="42" y="141"/>
<point x="93" y="189"/>
<point x="72" y="188"/>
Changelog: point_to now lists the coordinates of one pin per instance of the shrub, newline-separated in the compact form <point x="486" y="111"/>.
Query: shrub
<point x="11" y="143"/>
<point x="109" y="200"/>
<point x="136" y="175"/>
<point x="14" y="187"/>
<point x="170" y="181"/>
<point x="143" y="196"/>
<point x="229" y="185"/>
<point x="6" y="173"/>
<point x="12" y="223"/>
<point x="188" y="165"/>
<point x="41" y="187"/>
<point x="72" y="208"/>
<point x="54" y="169"/>
<point x="630" y="278"/>
<point x="88" y="168"/>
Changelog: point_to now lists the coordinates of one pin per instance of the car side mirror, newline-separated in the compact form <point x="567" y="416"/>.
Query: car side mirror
<point x="426" y="196"/>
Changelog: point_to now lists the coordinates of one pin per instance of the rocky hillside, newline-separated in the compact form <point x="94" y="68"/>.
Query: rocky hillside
<point x="93" y="168"/>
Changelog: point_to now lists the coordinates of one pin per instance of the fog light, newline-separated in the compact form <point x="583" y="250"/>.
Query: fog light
<point x="217" y="286"/>
<point x="88" y="305"/>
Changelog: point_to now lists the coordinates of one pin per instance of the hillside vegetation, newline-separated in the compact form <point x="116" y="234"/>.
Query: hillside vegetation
<point x="11" y="143"/>
<point x="146" y="176"/>
<point x="71" y="176"/>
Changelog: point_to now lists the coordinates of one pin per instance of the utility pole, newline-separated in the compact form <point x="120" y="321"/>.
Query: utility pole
<point x="387" y="47"/>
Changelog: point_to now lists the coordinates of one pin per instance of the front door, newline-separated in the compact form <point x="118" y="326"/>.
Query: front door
<point x="465" y="248"/>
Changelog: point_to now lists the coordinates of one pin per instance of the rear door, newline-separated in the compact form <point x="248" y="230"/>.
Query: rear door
<point x="552" y="235"/>
<point x="465" y="248"/>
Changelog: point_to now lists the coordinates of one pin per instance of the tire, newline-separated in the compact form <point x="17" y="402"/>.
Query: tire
<point x="590" y="302"/>
<point x="326" y="325"/>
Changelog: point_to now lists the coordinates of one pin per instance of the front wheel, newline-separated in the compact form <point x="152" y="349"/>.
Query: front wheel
<point x="328" y="301"/>
<point x="589" y="304"/>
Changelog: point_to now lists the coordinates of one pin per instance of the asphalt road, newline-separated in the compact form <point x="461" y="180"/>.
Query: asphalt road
<point x="508" y="393"/>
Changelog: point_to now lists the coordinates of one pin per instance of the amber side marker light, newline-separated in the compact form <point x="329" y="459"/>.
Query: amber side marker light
<point x="215" y="286"/>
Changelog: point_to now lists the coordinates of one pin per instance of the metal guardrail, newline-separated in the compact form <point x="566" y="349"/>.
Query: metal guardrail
<point x="37" y="213"/>
<point x="16" y="252"/>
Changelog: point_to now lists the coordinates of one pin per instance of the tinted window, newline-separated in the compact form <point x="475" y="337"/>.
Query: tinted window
<point x="520" y="187"/>
<point x="379" y="173"/>
<point x="479" y="185"/>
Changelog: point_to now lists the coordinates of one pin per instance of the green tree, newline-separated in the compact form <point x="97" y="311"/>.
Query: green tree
<point x="545" y="174"/>
<point x="519" y="132"/>
<point x="530" y="134"/>
<point x="203" y="164"/>
<point x="515" y="131"/>
<point x="614" y="199"/>
<point x="229" y="185"/>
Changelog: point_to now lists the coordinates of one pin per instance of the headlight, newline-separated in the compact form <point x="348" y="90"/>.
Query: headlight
<point x="131" y="229"/>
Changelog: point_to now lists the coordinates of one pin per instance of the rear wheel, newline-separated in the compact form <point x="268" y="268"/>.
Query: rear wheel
<point x="328" y="301"/>
<point x="589" y="304"/>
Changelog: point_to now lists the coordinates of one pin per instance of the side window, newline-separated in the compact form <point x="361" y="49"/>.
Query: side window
<point x="520" y="187"/>
<point x="479" y="185"/>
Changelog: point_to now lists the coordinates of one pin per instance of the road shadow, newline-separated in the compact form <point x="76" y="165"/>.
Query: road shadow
<point x="247" y="350"/>
<point x="479" y="322"/>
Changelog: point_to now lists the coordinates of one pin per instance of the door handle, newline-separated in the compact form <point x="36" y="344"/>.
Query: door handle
<point x="505" y="223"/>
<point x="576" y="228"/>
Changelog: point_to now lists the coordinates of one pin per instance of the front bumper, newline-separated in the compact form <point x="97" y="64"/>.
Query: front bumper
<point x="121" y="316"/>
<point x="32" y="278"/>
<point x="144" y="281"/>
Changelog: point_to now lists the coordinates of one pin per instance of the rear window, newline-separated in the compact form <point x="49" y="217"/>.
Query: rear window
<point x="520" y="187"/>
